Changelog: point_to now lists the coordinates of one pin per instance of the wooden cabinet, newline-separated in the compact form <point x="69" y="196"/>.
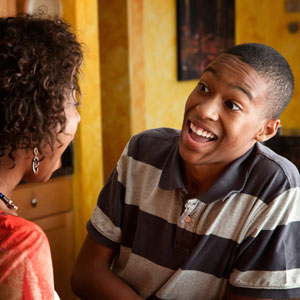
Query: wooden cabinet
<point x="50" y="206"/>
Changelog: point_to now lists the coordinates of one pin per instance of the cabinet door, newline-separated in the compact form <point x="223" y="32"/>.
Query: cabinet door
<point x="58" y="229"/>
<point x="37" y="201"/>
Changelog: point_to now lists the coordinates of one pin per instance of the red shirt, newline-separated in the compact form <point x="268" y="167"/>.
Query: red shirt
<point x="25" y="260"/>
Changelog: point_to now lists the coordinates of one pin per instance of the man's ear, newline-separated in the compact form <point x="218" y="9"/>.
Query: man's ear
<point x="268" y="130"/>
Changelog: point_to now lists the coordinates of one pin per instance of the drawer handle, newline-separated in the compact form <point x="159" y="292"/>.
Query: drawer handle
<point x="34" y="202"/>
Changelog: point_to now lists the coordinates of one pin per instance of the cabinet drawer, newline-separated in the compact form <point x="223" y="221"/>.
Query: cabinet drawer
<point x="41" y="200"/>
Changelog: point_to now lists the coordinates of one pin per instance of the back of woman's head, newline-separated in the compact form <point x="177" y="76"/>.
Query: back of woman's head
<point x="39" y="63"/>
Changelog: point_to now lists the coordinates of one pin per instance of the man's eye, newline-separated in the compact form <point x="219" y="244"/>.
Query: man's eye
<point x="232" y="106"/>
<point x="203" y="88"/>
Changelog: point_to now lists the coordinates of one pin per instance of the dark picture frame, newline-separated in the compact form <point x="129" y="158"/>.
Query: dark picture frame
<point x="204" y="29"/>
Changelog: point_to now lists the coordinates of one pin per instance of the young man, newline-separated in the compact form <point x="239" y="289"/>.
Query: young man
<point x="208" y="212"/>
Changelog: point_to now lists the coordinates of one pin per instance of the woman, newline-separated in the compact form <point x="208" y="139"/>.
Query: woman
<point x="39" y="68"/>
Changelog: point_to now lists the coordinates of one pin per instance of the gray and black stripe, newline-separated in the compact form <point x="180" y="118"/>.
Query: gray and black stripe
<point x="243" y="233"/>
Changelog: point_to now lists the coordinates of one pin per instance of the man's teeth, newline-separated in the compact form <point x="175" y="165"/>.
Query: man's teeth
<point x="201" y="132"/>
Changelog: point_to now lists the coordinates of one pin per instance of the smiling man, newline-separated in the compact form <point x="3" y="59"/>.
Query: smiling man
<point x="207" y="212"/>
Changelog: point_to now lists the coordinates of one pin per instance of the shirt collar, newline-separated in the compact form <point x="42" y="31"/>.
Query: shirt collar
<point x="232" y="180"/>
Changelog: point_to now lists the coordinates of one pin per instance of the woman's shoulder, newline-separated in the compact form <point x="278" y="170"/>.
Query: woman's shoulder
<point x="17" y="224"/>
<point x="21" y="236"/>
<point x="25" y="258"/>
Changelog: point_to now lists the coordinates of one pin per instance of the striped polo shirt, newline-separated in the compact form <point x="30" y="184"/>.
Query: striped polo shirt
<point x="242" y="234"/>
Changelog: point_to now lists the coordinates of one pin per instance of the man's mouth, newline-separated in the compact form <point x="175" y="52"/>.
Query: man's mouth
<point x="202" y="133"/>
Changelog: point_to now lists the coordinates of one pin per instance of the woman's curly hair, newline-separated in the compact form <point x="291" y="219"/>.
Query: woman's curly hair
<point x="39" y="68"/>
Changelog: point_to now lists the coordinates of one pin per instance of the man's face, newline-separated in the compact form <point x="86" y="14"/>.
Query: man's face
<point x="224" y="114"/>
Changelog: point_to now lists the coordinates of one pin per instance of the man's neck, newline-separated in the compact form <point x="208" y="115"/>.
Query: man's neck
<point x="198" y="179"/>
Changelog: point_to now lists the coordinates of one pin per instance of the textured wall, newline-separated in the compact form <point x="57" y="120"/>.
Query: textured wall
<point x="139" y="84"/>
<point x="115" y="81"/>
<point x="164" y="95"/>
<point x="266" y="22"/>
<point x="8" y="8"/>
<point x="88" y="175"/>
<point x="122" y="75"/>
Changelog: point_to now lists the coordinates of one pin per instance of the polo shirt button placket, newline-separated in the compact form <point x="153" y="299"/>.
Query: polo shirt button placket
<point x="186" y="227"/>
<point x="187" y="219"/>
<point x="190" y="206"/>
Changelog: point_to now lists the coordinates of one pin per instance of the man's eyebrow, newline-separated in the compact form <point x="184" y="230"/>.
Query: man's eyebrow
<point x="248" y="94"/>
<point x="210" y="69"/>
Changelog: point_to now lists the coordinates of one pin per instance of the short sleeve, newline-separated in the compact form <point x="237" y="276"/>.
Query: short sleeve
<point x="267" y="264"/>
<point x="105" y="225"/>
<point x="25" y="260"/>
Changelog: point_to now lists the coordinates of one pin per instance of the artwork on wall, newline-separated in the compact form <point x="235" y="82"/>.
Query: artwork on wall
<point x="204" y="29"/>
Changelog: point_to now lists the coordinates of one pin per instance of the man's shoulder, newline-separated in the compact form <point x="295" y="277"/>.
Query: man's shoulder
<point x="270" y="175"/>
<point x="153" y="146"/>
<point x="275" y="164"/>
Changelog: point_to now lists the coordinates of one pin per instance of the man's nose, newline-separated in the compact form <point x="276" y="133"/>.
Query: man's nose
<point x="209" y="109"/>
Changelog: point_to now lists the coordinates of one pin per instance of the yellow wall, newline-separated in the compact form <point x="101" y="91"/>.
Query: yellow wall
<point x="265" y="21"/>
<point x="262" y="21"/>
<point x="115" y="81"/>
<point x="164" y="95"/>
<point x="88" y="174"/>
<point x="139" y="84"/>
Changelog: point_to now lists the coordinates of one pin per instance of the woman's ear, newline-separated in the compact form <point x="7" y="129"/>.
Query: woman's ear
<point x="268" y="130"/>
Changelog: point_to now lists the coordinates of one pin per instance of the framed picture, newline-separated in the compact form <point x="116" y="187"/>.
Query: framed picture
<point x="204" y="29"/>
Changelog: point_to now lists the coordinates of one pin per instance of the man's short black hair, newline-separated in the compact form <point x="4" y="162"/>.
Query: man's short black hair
<point x="274" y="69"/>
